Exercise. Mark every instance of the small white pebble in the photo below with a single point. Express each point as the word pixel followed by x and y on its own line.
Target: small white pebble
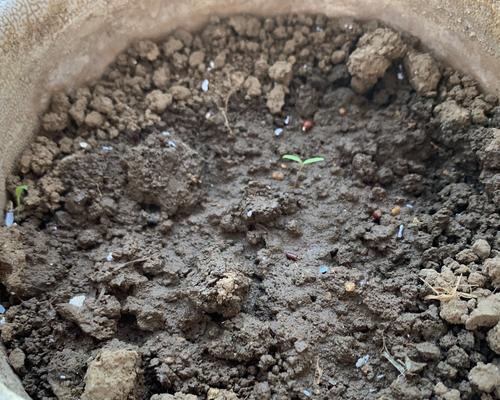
pixel 77 300
pixel 84 145
pixel 249 213
pixel 286 121
pixel 401 231
pixel 9 218
pixel 172 144
pixel 166 133
pixel 278 132
pixel 208 114
pixel 62 377
pixel 2 321
pixel 362 361
pixel 400 74
pixel 109 257
pixel 106 149
pixel 204 85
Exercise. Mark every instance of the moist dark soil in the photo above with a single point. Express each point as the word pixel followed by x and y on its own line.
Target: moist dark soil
pixel 164 249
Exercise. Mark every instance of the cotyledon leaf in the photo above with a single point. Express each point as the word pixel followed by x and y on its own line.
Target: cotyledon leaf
pixel 313 160
pixel 19 193
pixel 292 157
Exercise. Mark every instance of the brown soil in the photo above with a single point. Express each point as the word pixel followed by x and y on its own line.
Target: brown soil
pixel 212 267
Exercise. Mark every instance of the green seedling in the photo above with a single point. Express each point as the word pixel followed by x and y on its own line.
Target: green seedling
pixel 20 190
pixel 302 163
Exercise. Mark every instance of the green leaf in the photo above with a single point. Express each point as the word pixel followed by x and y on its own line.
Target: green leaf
pixel 292 157
pixel 19 193
pixel 313 160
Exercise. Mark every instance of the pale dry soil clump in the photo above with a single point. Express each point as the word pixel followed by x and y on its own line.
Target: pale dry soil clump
pixel 164 251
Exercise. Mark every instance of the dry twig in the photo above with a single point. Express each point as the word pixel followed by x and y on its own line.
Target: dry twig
pixel 408 367
pixel 318 373
pixel 223 109
pixel 447 293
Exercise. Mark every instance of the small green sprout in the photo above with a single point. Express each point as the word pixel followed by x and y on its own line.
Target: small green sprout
pixel 20 190
pixel 297 159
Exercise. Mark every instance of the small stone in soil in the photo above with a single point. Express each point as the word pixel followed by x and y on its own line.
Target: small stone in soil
pixel 300 346
pixel 109 257
pixel 249 213
pixel 376 215
pixel 307 393
pixel 342 111
pixel 323 269
pixel 291 256
pixel 204 85
pixel 166 133
pixel 2 321
pixel 409 205
pixel 278 132
pixel 286 121
pixel 84 145
pixel 350 287
pixel 77 301
pixel 400 74
pixel 307 125
pixel 9 218
pixel 395 211
pixel 362 361
pixel 278 176
pixel 2 309
pixel 172 144
pixel 401 231
pixel 106 149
